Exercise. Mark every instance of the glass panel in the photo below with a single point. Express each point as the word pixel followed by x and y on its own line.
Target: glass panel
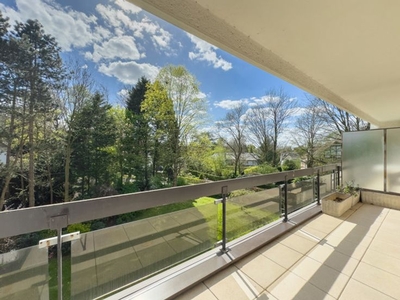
pixel 362 159
pixel 107 259
pixel 249 209
pixel 23 272
pixel 393 160
pixel 300 194
pixel 326 184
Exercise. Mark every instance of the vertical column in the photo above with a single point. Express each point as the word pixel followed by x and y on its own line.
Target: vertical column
pixel 318 189
pixel 224 194
pixel 286 198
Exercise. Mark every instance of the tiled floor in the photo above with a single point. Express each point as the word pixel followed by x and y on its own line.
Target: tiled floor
pixel 356 256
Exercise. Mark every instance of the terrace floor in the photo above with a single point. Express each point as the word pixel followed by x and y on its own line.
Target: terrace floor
pixel 356 256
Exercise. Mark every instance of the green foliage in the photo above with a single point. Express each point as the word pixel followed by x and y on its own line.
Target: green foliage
pixel 348 188
pixel 240 192
pixel 130 187
pixel 290 164
pixel 181 181
pixel 157 182
pixel 260 169
pixel 136 96
pixel 96 225
pixel 82 227
pixel 301 178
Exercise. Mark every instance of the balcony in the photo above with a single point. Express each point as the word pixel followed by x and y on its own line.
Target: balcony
pixel 169 252
pixel 352 257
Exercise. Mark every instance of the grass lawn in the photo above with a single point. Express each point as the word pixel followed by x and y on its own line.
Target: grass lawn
pixel 53 289
pixel 241 219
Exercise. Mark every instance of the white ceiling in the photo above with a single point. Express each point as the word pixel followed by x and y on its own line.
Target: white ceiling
pixel 346 52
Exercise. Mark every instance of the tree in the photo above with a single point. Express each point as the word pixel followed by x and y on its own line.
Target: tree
pixel 259 126
pixel 74 94
pixel 190 110
pixel 340 120
pixel 42 67
pixel 232 131
pixel 159 113
pixel 137 139
pixel 92 157
pixel 310 130
pixel 281 107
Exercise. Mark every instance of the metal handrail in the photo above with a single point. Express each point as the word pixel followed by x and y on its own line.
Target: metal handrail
pixel 55 216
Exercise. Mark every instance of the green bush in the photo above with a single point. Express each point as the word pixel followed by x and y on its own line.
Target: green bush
pixel 240 192
pixel 260 169
pixel 128 188
pixel 81 227
pixel 181 181
pixel 96 225
pixel 290 165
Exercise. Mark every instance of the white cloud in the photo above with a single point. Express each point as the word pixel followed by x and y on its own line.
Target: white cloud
pixel 122 47
pixel 129 72
pixel 206 52
pixel 71 28
pixel 162 38
pixel 230 104
pixel 123 93
pixel 128 7
pixel 120 21
pixel 201 95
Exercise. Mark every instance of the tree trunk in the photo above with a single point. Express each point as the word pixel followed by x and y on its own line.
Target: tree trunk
pixel 31 176
pixel 66 173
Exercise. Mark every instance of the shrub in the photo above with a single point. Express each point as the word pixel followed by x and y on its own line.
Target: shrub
pixel 81 227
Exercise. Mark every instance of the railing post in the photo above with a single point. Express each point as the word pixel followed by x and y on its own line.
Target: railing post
pixel 58 223
pixel 59 264
pixel 318 189
pixel 224 194
pixel 338 175
pixel 285 199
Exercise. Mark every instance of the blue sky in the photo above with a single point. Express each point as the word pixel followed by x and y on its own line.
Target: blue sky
pixel 120 42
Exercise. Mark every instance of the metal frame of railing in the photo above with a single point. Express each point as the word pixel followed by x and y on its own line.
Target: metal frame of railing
pixel 59 216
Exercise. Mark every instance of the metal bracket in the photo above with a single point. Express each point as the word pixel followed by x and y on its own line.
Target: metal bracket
pixel 64 238
pixel 58 222
pixel 218 201
pixel 224 190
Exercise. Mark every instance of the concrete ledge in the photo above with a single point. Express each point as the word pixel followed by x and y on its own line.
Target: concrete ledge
pixel 176 280
pixel 380 199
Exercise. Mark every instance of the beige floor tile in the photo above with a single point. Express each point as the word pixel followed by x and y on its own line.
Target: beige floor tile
pixel 312 232
pixel 346 214
pixel 378 279
pixel 334 259
pixel 199 292
pixel 356 233
pixel 393 215
pixel 382 261
pixel 373 211
pixel 232 284
pixel 357 290
pixel 322 276
pixel 390 225
pixel 389 249
pixel 301 244
pixel 260 269
pixel 282 255
pixel 388 236
pixel 265 296
pixel 323 226
pixel 291 286
pixel 345 246
pixel 326 219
